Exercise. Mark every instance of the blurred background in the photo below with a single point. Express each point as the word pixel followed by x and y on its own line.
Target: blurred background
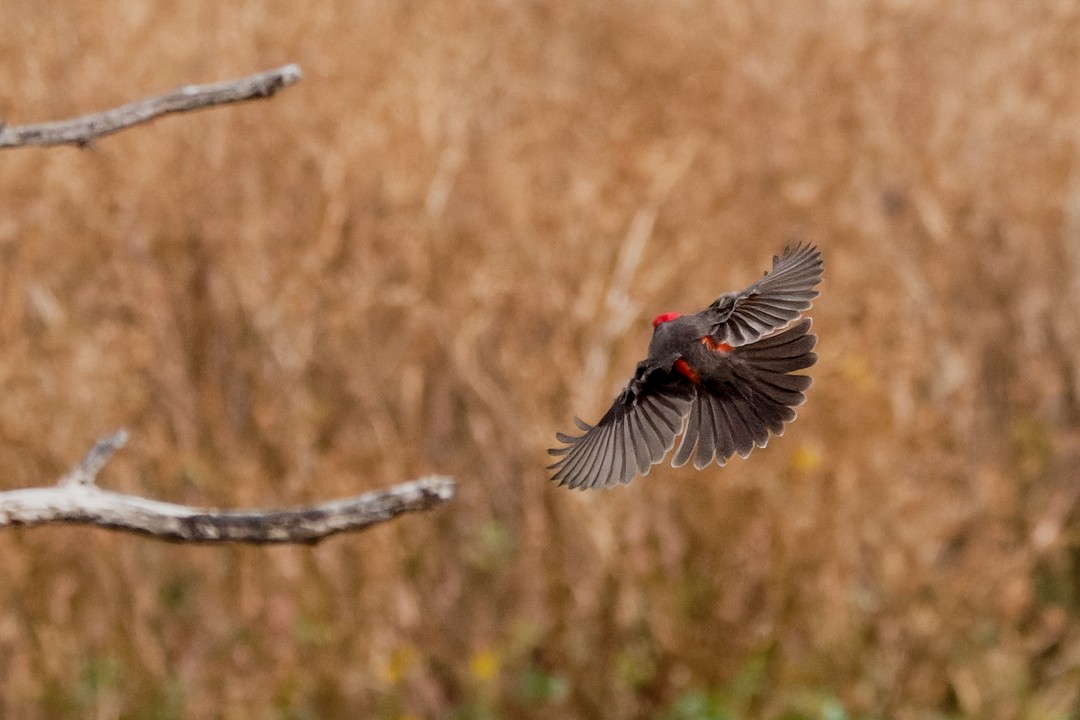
pixel 448 240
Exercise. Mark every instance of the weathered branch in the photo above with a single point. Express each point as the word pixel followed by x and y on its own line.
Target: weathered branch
pixel 83 130
pixel 77 500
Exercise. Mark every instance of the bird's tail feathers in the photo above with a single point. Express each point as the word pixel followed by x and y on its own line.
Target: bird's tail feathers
pixel 735 415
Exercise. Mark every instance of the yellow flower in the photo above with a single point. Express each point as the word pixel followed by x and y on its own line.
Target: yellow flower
pixel 394 669
pixel 805 458
pixel 484 665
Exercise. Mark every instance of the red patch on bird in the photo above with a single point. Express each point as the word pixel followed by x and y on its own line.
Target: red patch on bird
pixel 684 368
pixel 713 345
pixel 665 317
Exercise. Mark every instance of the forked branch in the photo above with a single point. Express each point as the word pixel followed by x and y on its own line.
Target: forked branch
pixel 83 130
pixel 76 499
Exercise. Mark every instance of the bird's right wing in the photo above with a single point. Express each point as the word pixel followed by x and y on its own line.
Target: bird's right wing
pixel 635 433
pixel 758 397
pixel 772 302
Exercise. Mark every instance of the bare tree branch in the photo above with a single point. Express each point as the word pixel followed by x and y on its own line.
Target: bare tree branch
pixel 77 500
pixel 83 130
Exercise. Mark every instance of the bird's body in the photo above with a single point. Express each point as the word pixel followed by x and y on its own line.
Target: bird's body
pixel 721 377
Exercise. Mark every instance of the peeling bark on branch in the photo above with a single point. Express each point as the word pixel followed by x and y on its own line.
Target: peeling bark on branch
pixel 83 130
pixel 77 500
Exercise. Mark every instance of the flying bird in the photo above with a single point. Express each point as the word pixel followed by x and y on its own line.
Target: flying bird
pixel 723 378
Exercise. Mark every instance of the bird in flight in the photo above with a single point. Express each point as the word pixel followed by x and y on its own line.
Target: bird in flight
pixel 723 378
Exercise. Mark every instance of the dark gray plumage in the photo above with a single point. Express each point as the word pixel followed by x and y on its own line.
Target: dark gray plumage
pixel 722 377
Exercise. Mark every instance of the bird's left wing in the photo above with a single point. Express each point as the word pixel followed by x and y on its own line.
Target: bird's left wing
pixel 772 302
pixel 635 433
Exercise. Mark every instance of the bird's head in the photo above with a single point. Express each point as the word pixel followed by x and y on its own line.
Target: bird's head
pixel 665 317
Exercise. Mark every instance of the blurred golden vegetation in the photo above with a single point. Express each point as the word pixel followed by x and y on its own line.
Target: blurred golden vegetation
pixel 449 239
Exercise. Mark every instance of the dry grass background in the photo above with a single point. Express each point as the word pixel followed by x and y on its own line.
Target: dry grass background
pixel 449 239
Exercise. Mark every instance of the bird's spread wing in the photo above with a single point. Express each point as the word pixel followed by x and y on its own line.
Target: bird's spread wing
pixel 633 435
pixel 759 395
pixel 771 303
